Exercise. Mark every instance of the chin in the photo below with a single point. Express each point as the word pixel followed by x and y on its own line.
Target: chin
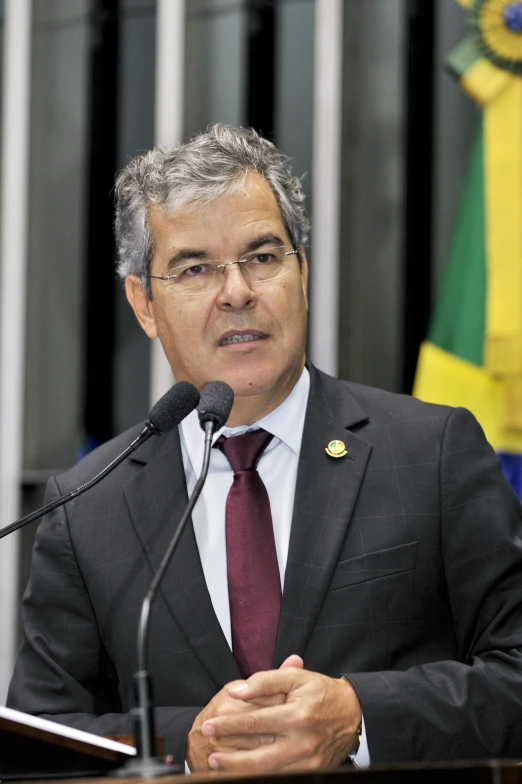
pixel 245 389
pixel 249 385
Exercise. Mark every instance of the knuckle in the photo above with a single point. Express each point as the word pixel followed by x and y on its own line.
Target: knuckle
pixel 302 718
pixel 251 724
pixel 266 680
pixel 308 747
pixel 223 711
pixel 315 762
pixel 217 705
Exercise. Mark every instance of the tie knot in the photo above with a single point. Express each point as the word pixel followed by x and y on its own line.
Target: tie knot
pixel 244 452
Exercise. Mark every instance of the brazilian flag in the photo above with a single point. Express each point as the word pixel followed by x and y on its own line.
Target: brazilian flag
pixel 472 356
pixel 451 368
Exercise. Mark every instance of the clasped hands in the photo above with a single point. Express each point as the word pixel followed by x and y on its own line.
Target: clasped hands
pixel 285 719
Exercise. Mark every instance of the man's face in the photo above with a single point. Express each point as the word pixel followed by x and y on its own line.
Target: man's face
pixel 193 330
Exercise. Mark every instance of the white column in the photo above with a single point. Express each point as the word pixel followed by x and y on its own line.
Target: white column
pixel 170 53
pixel 326 168
pixel 13 221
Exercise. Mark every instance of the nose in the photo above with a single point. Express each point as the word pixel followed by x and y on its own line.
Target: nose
pixel 235 292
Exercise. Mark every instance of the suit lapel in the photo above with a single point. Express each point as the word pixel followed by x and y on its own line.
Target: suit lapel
pixel 326 492
pixel 156 498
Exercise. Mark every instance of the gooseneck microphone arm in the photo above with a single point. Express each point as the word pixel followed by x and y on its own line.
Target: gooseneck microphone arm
pixel 145 610
pixel 215 405
pixel 146 763
pixel 145 434
pixel 168 412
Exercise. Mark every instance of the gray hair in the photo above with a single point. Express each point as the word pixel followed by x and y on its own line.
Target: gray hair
pixel 207 167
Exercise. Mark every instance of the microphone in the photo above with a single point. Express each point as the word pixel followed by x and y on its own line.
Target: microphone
pixel 214 409
pixel 215 405
pixel 172 408
pixel 168 412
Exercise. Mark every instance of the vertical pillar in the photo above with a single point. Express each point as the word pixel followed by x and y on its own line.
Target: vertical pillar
pixel 13 258
pixel 326 169
pixel 170 54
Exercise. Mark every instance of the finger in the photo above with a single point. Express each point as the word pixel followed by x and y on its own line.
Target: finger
pixel 272 757
pixel 293 661
pixel 266 702
pixel 237 705
pixel 266 684
pixel 275 720
pixel 243 742
pixel 262 702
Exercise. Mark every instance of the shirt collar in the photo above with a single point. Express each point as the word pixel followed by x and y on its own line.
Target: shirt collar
pixel 286 422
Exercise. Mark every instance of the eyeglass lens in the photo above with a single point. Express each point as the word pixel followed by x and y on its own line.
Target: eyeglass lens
pixel 257 266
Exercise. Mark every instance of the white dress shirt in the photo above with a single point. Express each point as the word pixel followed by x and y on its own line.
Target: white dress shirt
pixel 278 470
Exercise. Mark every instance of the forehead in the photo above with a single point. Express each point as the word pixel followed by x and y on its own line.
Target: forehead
pixel 249 210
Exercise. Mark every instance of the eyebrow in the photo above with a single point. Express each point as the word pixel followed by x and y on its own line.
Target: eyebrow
pixel 266 239
pixel 187 254
pixel 191 254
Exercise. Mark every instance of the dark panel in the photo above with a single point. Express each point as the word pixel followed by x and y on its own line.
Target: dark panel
pixel 418 180
pixel 261 66
pixel 136 102
pixel 99 268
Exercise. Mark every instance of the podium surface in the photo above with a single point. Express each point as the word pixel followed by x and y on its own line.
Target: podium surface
pixel 483 772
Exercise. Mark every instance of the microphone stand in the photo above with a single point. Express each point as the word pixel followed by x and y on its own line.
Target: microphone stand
pixel 146 764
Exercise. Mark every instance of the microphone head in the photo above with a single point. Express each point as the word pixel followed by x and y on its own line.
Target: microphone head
pixel 173 407
pixel 216 403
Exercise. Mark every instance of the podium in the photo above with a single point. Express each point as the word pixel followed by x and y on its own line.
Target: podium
pixel 484 772
pixel 35 749
pixel 32 749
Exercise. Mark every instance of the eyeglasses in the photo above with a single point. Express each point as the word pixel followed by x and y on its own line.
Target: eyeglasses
pixel 200 277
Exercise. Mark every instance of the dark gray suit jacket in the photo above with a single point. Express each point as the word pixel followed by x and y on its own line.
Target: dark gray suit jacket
pixel 404 573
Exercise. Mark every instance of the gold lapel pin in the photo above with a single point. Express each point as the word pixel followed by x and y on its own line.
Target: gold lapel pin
pixel 336 449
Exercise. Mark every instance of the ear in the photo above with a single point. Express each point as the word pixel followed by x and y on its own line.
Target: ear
pixel 304 276
pixel 141 305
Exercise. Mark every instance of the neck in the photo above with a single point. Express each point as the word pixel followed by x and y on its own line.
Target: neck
pixel 248 409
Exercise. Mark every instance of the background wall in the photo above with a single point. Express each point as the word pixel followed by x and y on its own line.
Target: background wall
pixel 57 204
pixel 372 203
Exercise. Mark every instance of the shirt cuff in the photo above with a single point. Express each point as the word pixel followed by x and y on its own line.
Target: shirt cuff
pixel 361 758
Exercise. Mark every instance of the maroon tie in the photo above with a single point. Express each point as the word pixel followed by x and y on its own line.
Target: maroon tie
pixel 254 586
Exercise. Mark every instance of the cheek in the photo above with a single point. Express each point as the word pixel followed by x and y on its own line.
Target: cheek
pixel 170 311
pixel 296 303
pixel 167 320
pixel 292 318
pixel 183 327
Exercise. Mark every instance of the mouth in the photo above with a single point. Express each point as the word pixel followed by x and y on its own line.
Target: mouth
pixel 232 338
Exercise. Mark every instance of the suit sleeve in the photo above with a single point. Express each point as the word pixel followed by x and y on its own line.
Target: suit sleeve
pixel 470 708
pixel 62 671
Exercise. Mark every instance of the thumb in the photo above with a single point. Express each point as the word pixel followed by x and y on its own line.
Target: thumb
pixel 293 661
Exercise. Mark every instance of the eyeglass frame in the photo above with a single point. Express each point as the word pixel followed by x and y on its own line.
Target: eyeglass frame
pixel 295 252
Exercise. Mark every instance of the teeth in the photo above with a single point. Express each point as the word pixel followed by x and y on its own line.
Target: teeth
pixel 239 339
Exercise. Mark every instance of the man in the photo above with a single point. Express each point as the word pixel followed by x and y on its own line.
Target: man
pixel 395 538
